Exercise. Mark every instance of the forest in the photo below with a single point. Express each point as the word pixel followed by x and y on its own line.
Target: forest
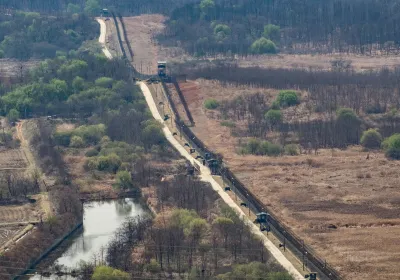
pixel 27 34
pixel 212 27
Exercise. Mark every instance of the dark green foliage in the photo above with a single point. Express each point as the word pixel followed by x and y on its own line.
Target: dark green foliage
pixel 29 34
pixel 391 146
pixel 273 117
pixel 124 180
pixel 262 148
pixel 271 32
pixel 152 134
pixel 13 115
pixel 287 98
pixel 263 46
pixel 89 134
pixel 349 125
pixel 371 139
pixel 92 153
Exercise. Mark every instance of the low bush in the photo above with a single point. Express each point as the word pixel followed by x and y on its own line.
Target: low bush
pixel 291 150
pixel 287 98
pixel 76 142
pixel 211 104
pixel 258 147
pixel 228 124
pixel 391 145
pixel 371 139
pixel 92 153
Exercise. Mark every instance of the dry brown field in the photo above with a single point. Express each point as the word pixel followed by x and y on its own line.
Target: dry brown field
pixel 347 207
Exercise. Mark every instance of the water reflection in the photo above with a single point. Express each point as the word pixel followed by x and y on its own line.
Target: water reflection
pixel 100 221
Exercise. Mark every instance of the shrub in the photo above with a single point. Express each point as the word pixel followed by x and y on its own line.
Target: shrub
pixel 124 180
pixel 62 138
pixel 211 104
pixel 346 114
pixel 228 124
pixel 91 134
pixel 76 142
pixel 274 117
pixel 291 150
pixel 104 82
pixel 262 46
pixel 371 139
pixel 13 115
pixel 92 153
pixel 274 149
pixel 391 146
pixel 253 146
pixel 257 147
pixel 287 98
pixel 153 266
pixel 91 164
pixel 109 163
pixel 109 273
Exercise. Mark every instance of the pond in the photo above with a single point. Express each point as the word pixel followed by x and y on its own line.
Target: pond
pixel 101 219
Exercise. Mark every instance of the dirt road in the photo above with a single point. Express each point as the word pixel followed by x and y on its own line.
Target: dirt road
pixel 102 37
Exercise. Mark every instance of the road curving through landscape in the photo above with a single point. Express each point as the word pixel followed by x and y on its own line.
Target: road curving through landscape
pixel 205 173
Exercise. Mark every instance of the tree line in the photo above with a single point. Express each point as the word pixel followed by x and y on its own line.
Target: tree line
pixel 27 34
pixel 363 27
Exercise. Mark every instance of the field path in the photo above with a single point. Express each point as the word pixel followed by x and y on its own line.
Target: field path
pixel 205 175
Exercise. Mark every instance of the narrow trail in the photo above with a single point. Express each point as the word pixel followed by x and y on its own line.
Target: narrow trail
pixel 205 175
pixel 30 166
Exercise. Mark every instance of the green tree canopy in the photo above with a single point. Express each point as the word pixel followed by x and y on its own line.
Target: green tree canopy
pixel 13 115
pixel 371 139
pixel 73 8
pixel 391 146
pixel 287 98
pixel 271 32
pixel 92 7
pixel 109 273
pixel 124 180
pixel 263 46
pixel 273 117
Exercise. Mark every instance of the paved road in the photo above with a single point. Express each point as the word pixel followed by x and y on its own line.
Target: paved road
pixel 205 175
